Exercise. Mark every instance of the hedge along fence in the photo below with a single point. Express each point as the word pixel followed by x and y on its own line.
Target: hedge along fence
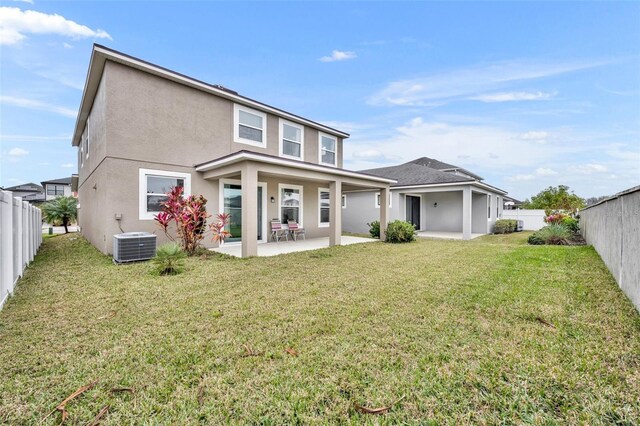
pixel 613 228
pixel 20 238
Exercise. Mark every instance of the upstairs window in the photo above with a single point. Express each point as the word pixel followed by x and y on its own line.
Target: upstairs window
pixel 291 140
pixel 88 139
pixel 55 190
pixel 328 150
pixel 249 126
pixel 154 186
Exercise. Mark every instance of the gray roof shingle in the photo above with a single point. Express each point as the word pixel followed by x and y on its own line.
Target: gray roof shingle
pixel 414 174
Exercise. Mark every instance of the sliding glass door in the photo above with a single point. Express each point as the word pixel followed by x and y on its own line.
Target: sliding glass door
pixel 232 202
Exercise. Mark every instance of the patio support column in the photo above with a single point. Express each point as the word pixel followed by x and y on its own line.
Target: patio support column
pixel 249 181
pixel 466 213
pixel 384 212
pixel 335 213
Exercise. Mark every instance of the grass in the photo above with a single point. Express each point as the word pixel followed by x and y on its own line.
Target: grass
pixel 490 331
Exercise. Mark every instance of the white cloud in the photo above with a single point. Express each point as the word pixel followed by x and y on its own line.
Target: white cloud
pixel 67 45
pixel 18 152
pixel 513 96
pixel 520 178
pixel 38 105
pixel 15 24
pixel 338 55
pixel 470 81
pixel 370 155
pixel 23 1
pixel 545 171
pixel 67 165
pixel 588 169
pixel 534 135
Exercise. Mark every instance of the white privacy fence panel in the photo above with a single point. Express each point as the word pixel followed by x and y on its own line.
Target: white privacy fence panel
pixel 612 227
pixel 20 238
pixel 533 219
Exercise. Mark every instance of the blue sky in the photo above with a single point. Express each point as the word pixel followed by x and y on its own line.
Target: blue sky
pixel 525 94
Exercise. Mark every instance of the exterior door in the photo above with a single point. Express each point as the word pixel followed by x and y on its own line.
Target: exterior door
pixel 232 201
pixel 413 210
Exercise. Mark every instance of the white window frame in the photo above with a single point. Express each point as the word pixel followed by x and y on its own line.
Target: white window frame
pixel 376 200
pixel 301 190
pixel 281 123
pixel 55 189
pixel 323 224
pixel 335 152
pixel 88 137
pixel 344 201
pixel 143 214
pixel 236 126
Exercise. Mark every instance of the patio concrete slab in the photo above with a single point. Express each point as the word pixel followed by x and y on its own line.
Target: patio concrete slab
pixel 445 235
pixel 282 247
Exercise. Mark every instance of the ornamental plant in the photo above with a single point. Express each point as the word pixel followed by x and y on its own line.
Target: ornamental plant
pixel 189 215
pixel 554 218
pixel 169 259
pixel 218 228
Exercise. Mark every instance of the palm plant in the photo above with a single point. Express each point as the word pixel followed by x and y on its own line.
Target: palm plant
pixel 60 210
pixel 169 259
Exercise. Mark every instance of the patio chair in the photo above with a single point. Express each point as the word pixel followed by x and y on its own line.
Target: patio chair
pixel 295 230
pixel 277 231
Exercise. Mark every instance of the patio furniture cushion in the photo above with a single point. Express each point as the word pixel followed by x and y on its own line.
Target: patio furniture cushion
pixel 295 230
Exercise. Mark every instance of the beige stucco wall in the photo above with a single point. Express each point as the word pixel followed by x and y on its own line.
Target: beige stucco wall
pixel 154 119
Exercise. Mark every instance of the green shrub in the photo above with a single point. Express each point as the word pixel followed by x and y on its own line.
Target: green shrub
pixel 374 229
pixel 169 259
pixel 400 231
pixel 535 239
pixel 554 234
pixel 571 224
pixel 505 226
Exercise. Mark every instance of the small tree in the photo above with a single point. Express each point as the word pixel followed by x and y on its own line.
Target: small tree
pixel 190 216
pixel 60 210
pixel 555 198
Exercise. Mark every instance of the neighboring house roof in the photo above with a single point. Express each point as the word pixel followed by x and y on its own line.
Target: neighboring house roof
pixel 414 174
pixel 442 166
pixel 61 181
pixel 28 191
pixel 101 54
pixel 426 171
pixel 25 187
pixel 513 200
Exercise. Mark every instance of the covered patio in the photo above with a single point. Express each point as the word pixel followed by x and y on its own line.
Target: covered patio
pixel 283 247
pixel 273 188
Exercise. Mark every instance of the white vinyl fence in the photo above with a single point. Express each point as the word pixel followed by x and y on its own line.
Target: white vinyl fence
pixel 20 238
pixel 612 227
pixel 533 219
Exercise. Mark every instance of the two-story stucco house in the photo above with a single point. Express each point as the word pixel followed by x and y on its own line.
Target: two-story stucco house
pixel 57 188
pixel 142 129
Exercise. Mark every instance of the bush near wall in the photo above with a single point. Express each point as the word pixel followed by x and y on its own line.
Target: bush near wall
pixel 400 231
pixel 505 226
pixel 374 229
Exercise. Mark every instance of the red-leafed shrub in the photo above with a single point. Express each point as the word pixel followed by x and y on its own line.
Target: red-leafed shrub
pixel 189 215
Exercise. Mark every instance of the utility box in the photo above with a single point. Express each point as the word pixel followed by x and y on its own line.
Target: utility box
pixel 133 247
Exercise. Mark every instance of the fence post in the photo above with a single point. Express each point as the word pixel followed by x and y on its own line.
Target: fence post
pixel 6 245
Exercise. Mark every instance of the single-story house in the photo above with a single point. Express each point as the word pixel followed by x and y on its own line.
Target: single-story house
pixel 436 197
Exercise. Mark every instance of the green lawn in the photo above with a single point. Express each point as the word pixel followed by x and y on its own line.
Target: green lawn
pixel 488 331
